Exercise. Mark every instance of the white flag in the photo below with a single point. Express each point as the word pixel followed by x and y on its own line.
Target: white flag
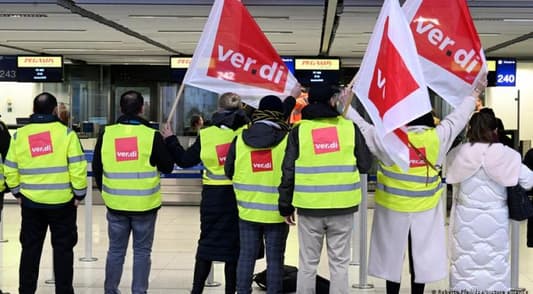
pixel 234 55
pixel 448 45
pixel 390 83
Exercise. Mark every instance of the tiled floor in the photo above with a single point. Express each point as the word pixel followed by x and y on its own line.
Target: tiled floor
pixel 172 257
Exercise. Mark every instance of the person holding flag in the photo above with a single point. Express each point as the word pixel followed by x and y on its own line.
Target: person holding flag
pixel 320 177
pixel 219 231
pixel 391 86
pixel 408 209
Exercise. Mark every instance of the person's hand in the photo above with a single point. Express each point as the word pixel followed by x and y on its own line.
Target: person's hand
pixel 480 87
pixel 290 220
pixel 76 202
pixel 296 91
pixel 166 131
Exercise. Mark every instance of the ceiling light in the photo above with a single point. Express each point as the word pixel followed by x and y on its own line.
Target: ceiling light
pixel 149 16
pixel 488 34
pixel 518 19
pixel 42 30
pixel 60 41
pixel 24 14
pixel 91 50
pixel 278 32
pixel 180 31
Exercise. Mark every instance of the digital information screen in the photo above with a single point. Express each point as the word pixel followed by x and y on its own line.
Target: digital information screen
pixel 502 72
pixel 289 63
pixel 178 67
pixel 8 68
pixel 38 68
pixel 309 71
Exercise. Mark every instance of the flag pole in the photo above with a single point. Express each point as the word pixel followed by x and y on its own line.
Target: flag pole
pixel 173 109
pixel 350 97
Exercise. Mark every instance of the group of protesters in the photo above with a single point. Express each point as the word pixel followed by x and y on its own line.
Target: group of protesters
pixel 260 171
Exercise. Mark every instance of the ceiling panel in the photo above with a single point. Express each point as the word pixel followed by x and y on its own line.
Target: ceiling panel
pixel 293 26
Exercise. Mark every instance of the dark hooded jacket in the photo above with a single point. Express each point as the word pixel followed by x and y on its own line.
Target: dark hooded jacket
pixel 259 135
pixel 286 188
pixel 219 220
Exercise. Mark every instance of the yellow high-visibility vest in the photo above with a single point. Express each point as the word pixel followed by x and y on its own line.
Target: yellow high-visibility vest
pixel 46 163
pixel 326 175
pixel 129 182
pixel 214 146
pixel 419 188
pixel 256 180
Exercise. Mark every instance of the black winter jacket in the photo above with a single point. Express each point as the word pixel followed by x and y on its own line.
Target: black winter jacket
pixel 286 188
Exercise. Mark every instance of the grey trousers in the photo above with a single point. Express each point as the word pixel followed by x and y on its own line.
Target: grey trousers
pixel 311 231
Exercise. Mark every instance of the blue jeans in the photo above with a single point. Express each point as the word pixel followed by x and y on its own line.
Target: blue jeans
pixel 119 228
pixel 251 237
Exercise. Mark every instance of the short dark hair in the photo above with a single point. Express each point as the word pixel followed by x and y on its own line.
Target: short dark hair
pixel 131 102
pixel 44 103
pixel 481 128
pixel 195 119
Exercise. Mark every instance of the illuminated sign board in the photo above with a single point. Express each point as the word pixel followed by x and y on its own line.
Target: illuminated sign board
pixel 39 68
pixel 8 68
pixel 289 63
pixel 317 70
pixel 180 62
pixel 502 72
pixel 317 64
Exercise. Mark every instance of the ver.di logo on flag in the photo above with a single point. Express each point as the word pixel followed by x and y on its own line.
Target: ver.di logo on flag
pixel 40 144
pixel 126 149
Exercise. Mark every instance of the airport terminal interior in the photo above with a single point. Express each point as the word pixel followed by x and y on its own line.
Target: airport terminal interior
pixel 88 52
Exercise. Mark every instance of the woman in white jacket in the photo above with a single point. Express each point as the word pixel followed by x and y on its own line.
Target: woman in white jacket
pixel 482 169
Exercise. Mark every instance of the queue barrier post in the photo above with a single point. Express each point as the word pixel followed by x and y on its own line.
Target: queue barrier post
pixel 89 217
pixel 363 214
pixel 2 240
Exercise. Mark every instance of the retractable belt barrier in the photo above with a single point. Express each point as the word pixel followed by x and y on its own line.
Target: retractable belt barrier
pixel 358 242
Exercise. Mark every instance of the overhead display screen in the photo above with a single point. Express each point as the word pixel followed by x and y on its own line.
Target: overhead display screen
pixel 502 72
pixel 178 67
pixel 317 70
pixel 8 68
pixel 38 68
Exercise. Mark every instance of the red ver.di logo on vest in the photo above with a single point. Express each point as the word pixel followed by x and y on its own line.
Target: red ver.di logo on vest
pixel 261 160
pixel 126 149
pixel 414 159
pixel 40 144
pixel 222 151
pixel 325 140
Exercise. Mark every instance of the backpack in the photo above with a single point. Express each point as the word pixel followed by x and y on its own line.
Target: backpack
pixel 290 274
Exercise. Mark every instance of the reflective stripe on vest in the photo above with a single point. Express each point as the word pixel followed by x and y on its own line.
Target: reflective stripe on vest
pixel 419 188
pixel 39 164
pixel 2 179
pixel 326 175
pixel 129 182
pixel 214 147
pixel 256 180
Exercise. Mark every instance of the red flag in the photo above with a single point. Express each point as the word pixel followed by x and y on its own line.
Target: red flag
pixel 390 83
pixel 234 55
pixel 449 46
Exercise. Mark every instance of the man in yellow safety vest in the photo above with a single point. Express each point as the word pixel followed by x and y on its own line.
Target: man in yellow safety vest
pixel 128 157
pixel 46 171
pixel 324 156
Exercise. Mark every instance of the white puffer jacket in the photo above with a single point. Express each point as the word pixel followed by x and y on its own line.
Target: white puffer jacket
pixel 479 246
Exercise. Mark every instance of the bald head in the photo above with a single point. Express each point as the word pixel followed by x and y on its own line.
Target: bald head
pixel 44 103
pixel 131 103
